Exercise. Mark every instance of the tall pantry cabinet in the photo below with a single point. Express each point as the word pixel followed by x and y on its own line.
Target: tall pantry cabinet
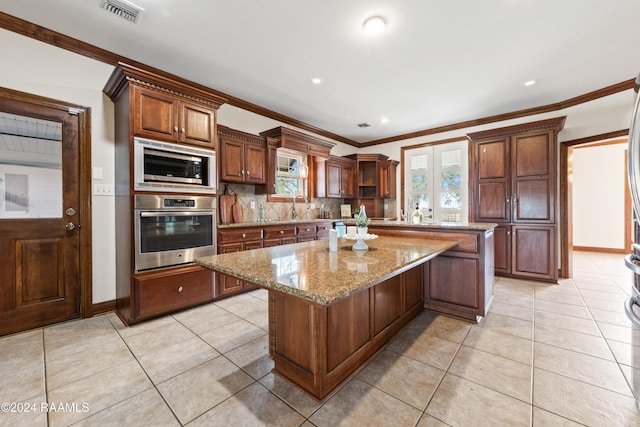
pixel 513 176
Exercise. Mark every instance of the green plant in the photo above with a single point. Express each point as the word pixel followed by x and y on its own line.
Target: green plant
pixel 362 222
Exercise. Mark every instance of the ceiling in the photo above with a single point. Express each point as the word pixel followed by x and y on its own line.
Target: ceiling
pixel 439 62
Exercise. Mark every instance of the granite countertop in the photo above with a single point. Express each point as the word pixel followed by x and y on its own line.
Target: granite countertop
pixel 478 226
pixel 308 270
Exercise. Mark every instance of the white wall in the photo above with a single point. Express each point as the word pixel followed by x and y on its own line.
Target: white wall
pixel 41 69
pixel 598 196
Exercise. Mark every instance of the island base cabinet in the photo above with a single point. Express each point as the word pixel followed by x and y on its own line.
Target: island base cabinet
pixel 318 347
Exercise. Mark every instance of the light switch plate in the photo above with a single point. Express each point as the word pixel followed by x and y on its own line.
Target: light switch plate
pixel 252 204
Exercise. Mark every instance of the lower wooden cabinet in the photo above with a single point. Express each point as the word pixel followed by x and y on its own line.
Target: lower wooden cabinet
pixel 526 251
pixel 164 291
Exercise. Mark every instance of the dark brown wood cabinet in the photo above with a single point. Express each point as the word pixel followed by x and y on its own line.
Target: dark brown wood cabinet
pixel 387 178
pixel 340 177
pixel 375 181
pixel 280 235
pixel 513 183
pixel 243 157
pixel 169 117
pixel 164 108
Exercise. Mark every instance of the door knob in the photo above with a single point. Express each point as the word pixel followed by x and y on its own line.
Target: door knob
pixel 70 226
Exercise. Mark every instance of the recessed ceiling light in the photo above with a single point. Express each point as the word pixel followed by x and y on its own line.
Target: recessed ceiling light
pixel 374 26
pixel 316 80
pixel 529 83
pixel 384 120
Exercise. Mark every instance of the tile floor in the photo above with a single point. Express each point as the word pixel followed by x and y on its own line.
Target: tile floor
pixel 547 355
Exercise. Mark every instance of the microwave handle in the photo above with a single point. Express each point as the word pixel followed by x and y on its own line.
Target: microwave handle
pixel 172 213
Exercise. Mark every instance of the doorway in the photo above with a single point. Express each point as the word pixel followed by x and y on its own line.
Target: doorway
pixel 45 211
pixel 601 197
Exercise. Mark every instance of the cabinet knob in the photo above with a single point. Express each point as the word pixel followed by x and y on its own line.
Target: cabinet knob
pixel 281 231
pixel 175 128
pixel 180 289
pixel 247 173
pixel 308 229
pixel 244 236
pixel 182 130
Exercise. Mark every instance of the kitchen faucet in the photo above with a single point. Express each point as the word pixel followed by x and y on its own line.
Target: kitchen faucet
pixel 294 214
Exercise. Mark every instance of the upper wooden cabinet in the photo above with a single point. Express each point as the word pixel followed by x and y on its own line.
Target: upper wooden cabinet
pixel 158 115
pixel 387 178
pixel 513 182
pixel 335 178
pixel 242 156
pixel 161 107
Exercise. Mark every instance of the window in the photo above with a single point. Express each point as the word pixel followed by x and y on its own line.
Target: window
pixel 289 180
pixel 436 179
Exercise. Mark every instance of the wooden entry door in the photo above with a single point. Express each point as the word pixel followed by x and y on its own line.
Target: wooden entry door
pixel 40 214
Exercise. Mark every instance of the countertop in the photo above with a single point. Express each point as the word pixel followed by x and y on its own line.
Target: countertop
pixel 308 270
pixel 477 226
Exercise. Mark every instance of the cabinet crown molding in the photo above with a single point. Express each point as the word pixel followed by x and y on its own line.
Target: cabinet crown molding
pixel 124 74
pixel 556 123
pixel 299 141
pixel 227 132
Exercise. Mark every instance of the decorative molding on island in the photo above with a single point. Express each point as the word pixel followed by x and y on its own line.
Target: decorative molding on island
pixel 329 312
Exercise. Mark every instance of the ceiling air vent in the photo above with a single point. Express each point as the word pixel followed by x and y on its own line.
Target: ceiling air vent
pixel 364 125
pixel 123 9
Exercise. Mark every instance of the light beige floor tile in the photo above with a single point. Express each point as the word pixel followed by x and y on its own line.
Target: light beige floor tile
pixel 205 318
pixel 583 403
pixel 609 287
pixel 253 357
pixel 358 403
pixel 570 340
pixel 16 386
pixel 21 366
pixel 582 367
pixel 194 392
pixel 176 359
pixel 81 364
pixel 615 318
pixel 497 373
pixel 439 326
pixel 508 325
pixel 126 331
pixel 98 391
pixel 561 308
pixel 576 324
pixel 520 301
pixel 625 354
pixel 253 406
pixel 603 305
pixel 291 394
pixel 259 317
pixel 460 402
pixel 429 421
pixel 542 418
pixel 511 289
pixel 158 338
pixel 425 348
pixel 404 378
pixel 605 296
pixel 146 409
pixel 504 345
pixel 34 416
pixel 510 310
pixel 620 333
pixel 573 298
pixel 232 335
pixel 78 335
pixel 262 294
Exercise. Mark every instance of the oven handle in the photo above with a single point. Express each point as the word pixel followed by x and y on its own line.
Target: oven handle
pixel 628 309
pixel 170 213
pixel 631 265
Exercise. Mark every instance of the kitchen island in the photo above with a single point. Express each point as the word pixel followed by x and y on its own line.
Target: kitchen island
pixel 330 311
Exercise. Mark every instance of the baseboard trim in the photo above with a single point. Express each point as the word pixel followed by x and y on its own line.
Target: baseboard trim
pixel 597 249
pixel 103 307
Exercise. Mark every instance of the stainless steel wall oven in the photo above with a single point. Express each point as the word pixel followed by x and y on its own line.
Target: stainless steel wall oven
pixel 172 230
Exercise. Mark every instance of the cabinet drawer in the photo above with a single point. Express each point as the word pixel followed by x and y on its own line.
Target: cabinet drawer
pixel 239 235
pixel 162 292
pixel 279 232
pixel 324 228
pixel 305 230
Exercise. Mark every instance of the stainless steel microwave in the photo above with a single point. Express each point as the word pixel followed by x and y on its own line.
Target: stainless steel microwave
pixel 162 166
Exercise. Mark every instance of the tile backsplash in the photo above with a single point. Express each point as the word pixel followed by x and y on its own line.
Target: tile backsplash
pixel 282 211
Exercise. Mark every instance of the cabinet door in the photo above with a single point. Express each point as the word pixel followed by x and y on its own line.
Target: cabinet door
pixel 493 192
pixel 231 160
pixel 255 164
pixel 386 179
pixel 197 124
pixel 348 181
pixel 533 252
pixel 155 115
pixel 533 177
pixel 502 249
pixel 334 178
